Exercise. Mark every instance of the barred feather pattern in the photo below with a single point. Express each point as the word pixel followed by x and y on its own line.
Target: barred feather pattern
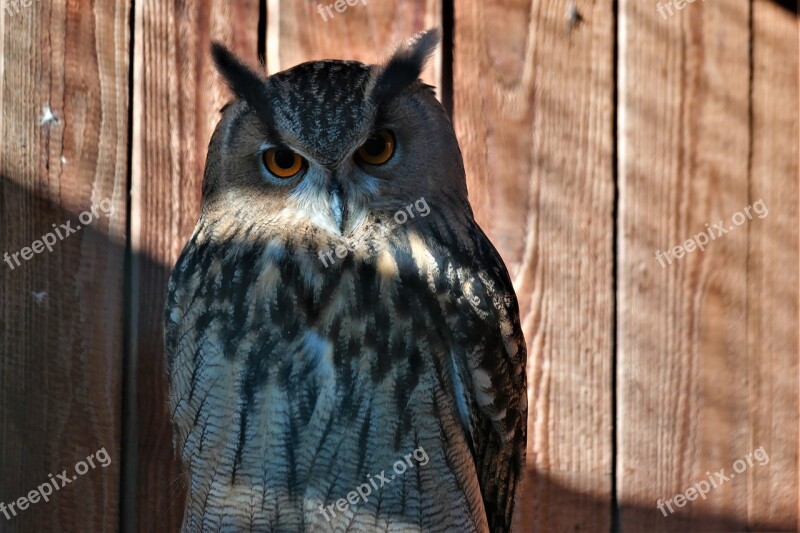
pixel 293 383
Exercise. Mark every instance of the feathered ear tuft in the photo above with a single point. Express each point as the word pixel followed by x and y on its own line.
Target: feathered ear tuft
pixel 406 65
pixel 243 81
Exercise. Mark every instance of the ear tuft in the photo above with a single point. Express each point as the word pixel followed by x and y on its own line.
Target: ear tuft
pixel 243 81
pixel 406 65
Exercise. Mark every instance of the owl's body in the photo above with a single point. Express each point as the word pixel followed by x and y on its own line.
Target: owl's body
pixel 298 383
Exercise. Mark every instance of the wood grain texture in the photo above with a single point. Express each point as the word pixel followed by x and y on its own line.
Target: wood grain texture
pixel 697 377
pixel 533 109
pixel 708 357
pixel 61 315
pixel 177 98
pixel 682 357
pixel 772 269
pixel 367 31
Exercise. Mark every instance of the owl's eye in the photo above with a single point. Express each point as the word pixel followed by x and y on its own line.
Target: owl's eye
pixel 283 163
pixel 378 149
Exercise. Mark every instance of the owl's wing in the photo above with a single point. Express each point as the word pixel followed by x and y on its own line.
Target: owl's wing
pixel 495 367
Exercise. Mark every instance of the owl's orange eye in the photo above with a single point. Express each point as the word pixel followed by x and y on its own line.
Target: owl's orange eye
pixel 378 149
pixel 283 163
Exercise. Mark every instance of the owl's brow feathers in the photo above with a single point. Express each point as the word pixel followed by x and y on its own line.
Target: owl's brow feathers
pixel 402 69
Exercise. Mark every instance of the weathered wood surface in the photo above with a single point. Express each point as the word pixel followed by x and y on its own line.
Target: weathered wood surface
pixel 533 108
pixel 595 133
pixel 368 31
pixel 707 345
pixel 63 149
pixel 772 270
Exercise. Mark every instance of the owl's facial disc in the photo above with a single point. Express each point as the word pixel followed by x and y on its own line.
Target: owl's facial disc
pixel 336 197
pixel 333 145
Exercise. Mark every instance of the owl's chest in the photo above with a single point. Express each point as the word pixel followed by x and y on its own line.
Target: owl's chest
pixel 363 357
pixel 397 315
pixel 286 325
pixel 390 305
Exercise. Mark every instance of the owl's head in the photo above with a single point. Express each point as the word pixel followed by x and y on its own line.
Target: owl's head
pixel 332 145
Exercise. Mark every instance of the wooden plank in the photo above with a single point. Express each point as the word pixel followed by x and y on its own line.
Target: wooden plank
pixel 533 109
pixel 177 98
pixel 772 270
pixel 682 346
pixel 692 384
pixel 63 150
pixel 367 31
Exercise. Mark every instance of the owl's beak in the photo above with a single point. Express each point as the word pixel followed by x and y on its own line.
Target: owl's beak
pixel 338 207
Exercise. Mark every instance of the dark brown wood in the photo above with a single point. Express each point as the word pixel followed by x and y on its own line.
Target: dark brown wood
pixel 177 98
pixel 63 149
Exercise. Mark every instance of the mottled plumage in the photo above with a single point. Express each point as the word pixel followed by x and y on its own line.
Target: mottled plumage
pixel 295 380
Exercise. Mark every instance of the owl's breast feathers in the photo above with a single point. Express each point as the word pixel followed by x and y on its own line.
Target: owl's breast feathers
pixel 292 381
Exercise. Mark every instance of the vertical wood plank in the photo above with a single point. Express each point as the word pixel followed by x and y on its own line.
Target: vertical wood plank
pixel 684 141
pixel 533 109
pixel 367 31
pixel 693 381
pixel 177 98
pixel 63 149
pixel 772 270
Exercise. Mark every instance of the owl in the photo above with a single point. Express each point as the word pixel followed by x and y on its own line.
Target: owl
pixel 344 350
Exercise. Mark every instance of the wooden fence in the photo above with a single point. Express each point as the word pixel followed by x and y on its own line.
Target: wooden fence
pixel 595 133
